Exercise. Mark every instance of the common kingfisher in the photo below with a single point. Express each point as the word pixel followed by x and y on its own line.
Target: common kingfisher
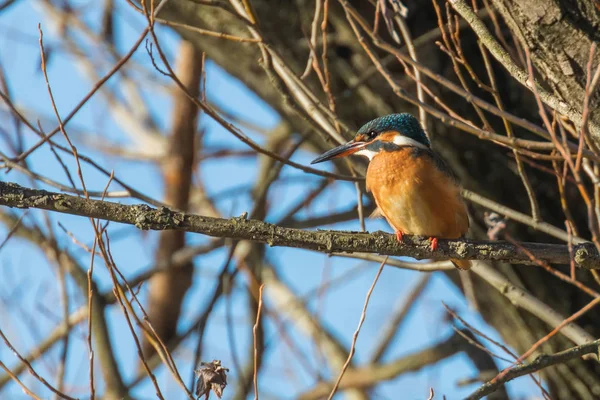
pixel 413 187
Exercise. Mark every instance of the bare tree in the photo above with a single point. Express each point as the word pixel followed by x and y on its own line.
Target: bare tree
pixel 506 91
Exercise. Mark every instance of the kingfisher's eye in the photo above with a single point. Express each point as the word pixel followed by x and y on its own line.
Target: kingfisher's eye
pixel 372 134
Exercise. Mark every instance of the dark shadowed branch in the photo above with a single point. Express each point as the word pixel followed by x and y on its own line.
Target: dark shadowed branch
pixel 541 362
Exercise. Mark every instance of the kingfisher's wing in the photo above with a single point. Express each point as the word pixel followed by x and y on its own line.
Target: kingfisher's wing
pixel 462 219
pixel 445 168
pixel 460 208
pixel 439 162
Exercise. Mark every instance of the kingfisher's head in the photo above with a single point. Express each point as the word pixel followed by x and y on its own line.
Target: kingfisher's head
pixel 388 133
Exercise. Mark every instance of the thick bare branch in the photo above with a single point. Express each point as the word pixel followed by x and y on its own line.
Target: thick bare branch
pixel 168 289
pixel 146 217
pixel 366 377
pixel 541 362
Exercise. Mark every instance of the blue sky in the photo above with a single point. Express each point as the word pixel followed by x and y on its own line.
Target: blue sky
pixel 30 301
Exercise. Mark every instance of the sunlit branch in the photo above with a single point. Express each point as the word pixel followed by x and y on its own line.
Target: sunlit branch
pixel 148 218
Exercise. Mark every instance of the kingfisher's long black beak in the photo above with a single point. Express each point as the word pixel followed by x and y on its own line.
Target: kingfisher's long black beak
pixel 340 151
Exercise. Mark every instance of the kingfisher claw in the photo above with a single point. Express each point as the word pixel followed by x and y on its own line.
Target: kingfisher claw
pixel 434 243
pixel 399 236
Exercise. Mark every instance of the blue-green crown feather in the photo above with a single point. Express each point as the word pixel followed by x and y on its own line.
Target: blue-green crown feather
pixel 404 123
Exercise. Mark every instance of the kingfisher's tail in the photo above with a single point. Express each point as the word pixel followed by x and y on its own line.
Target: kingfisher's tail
pixel 463 265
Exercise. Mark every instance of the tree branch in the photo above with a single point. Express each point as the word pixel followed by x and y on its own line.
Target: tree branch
pixel 521 75
pixel 542 361
pixel 148 218
pixel 114 386
pixel 366 377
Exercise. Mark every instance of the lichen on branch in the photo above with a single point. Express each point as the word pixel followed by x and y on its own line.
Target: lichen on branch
pixel 148 218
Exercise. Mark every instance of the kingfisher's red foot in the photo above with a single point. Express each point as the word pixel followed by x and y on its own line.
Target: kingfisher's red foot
pixel 399 236
pixel 434 243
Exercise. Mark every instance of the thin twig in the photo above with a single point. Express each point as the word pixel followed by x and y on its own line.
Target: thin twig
pixel 394 323
pixel 363 315
pixel 13 229
pixel 32 371
pixel 16 379
pixel 90 274
pixel 254 329
pixel 535 306
pixel 513 69
pixel 542 361
pixel 85 99
pixel 221 35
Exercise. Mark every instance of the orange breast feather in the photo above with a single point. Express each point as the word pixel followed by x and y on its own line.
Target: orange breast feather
pixel 415 196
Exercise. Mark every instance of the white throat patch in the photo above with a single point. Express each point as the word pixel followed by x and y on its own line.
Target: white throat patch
pixel 366 153
pixel 401 140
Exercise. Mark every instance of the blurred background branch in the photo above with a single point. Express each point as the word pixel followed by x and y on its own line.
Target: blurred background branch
pixel 213 109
